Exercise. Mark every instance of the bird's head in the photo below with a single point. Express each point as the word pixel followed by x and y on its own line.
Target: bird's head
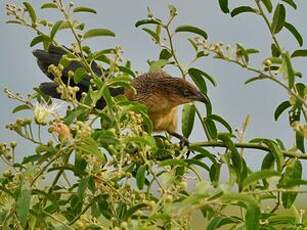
pixel 160 89
pixel 180 91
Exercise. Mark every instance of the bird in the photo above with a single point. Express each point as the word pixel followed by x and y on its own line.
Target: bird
pixel 158 91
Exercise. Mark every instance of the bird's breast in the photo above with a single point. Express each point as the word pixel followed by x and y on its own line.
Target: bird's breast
pixel 164 120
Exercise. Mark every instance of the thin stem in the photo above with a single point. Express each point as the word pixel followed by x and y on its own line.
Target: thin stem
pixel 247 146
pixel 203 125
pixel 262 14
pixel 172 48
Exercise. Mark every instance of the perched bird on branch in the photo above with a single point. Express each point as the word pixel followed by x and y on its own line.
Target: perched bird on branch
pixel 160 92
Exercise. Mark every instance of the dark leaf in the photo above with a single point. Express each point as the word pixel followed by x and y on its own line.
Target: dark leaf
pixel 275 51
pixel 295 33
pixel 49 5
pixel 147 21
pixel 80 73
pixel 188 115
pixel 98 32
pixel 221 121
pixel 220 221
pixel 20 108
pixel 84 9
pixel 211 127
pixel 23 206
pixel 281 108
pixel 300 141
pixel 242 9
pixel 165 54
pixel 140 176
pixel 268 5
pixel 293 171
pixel 277 153
pixel 279 19
pixel 299 53
pixel 31 11
pixel 153 34
pixel 224 6
pixel 192 29
pixel 260 77
pixel 291 3
pixel 55 29
pixel 290 70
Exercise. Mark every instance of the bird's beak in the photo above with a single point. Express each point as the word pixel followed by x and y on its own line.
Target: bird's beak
pixel 202 98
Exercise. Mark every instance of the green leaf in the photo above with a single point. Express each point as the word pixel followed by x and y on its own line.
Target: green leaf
pixel 55 28
pixel 220 221
pixel 295 33
pixel 254 177
pixel 215 172
pixel 268 5
pixel 260 77
pixel 147 21
pixel 291 3
pixel 98 32
pixel 290 71
pixel 188 115
pixel 165 54
pixel 211 127
pixel 13 22
pixel 277 153
pixel 224 6
pixel 192 29
pixel 23 206
pixel 221 121
pixel 84 9
pixel 300 141
pixel 140 176
pixel 293 171
pixel 153 34
pixel 49 5
pixel 281 108
pixel 31 12
pixel 197 77
pixel 299 53
pixel 173 162
pixel 39 39
pixel 267 164
pixel 236 159
pixel 275 50
pixel 279 19
pixel 157 65
pixel 80 73
pixel 252 215
pixel 242 9
pixel 20 108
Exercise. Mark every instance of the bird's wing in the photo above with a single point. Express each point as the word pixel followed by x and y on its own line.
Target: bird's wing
pixel 53 56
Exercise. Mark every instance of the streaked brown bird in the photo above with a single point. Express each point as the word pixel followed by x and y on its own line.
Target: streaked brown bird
pixel 160 92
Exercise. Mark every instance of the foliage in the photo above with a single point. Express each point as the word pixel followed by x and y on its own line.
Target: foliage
pixel 106 170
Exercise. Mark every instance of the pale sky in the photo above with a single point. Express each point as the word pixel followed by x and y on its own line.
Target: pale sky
pixel 231 98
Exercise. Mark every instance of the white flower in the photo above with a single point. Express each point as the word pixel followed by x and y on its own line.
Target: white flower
pixel 42 111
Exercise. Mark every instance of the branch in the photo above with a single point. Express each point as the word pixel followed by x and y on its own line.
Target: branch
pixel 247 146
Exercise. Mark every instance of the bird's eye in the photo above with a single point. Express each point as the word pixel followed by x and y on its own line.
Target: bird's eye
pixel 186 93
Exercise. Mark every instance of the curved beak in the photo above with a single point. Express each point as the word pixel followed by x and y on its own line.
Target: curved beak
pixel 202 98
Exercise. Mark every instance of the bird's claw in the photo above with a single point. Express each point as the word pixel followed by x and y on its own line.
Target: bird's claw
pixel 184 142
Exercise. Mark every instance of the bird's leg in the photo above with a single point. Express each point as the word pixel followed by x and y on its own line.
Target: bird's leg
pixel 182 140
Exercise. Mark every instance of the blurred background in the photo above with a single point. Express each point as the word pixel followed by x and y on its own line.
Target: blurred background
pixel 231 98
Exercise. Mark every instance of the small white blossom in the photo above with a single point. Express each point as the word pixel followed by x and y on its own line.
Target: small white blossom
pixel 42 112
